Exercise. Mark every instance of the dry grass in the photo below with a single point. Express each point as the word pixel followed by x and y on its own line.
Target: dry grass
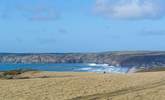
pixel 84 86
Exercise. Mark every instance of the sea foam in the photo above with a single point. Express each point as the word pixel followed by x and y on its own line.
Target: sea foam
pixel 104 68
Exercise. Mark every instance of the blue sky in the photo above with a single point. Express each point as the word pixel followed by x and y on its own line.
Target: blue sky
pixel 81 25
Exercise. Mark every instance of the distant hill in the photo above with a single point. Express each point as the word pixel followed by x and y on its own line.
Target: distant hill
pixel 141 59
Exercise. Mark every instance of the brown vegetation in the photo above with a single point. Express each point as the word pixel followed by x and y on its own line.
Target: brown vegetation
pixel 84 86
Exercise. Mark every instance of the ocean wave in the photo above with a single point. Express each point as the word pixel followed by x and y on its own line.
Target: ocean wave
pixel 94 64
pixel 104 68
pixel 85 69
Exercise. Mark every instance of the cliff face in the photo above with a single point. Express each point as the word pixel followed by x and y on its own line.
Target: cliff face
pixel 132 59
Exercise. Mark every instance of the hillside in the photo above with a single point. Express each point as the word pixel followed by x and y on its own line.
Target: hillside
pixel 84 86
pixel 127 58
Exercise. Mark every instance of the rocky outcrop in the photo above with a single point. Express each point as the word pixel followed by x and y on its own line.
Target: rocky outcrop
pixel 132 59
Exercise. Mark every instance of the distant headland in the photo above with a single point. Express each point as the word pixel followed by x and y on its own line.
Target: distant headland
pixel 118 58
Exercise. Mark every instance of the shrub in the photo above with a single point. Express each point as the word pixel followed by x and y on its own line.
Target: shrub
pixel 13 73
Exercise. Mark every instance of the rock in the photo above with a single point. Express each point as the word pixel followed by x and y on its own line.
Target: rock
pixel 129 59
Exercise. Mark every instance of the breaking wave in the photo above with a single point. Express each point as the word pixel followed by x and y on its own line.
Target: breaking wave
pixel 103 68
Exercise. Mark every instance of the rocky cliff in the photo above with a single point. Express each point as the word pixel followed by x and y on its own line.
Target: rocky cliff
pixel 132 59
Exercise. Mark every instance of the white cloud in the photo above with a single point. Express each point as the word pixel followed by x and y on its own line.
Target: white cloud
pixel 130 9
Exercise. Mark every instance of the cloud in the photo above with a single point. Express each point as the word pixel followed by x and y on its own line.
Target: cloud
pixel 19 40
pixel 63 31
pixel 38 11
pixel 46 40
pixel 130 9
pixel 152 32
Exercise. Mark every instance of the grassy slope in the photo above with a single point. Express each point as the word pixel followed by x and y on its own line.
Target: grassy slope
pixel 85 86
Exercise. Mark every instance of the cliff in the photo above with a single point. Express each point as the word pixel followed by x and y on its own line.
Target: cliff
pixel 132 59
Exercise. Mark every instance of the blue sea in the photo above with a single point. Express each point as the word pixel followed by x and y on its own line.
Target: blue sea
pixel 66 67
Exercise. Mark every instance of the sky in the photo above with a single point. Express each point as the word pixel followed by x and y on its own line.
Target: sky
pixel 81 25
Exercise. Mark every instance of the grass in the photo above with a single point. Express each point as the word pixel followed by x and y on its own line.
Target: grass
pixel 154 69
pixel 12 74
pixel 84 86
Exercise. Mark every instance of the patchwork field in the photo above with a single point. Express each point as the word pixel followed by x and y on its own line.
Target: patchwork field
pixel 84 86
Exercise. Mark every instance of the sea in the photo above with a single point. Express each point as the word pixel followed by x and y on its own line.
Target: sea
pixel 91 67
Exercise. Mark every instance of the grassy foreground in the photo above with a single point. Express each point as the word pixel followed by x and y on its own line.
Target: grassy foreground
pixel 84 86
